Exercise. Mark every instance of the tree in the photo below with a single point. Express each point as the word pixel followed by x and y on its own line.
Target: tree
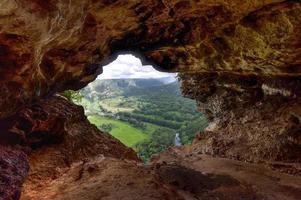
pixel 106 127
pixel 159 141
pixel 73 96
pixel 189 131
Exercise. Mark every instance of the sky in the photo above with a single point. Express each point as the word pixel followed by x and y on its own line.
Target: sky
pixel 129 66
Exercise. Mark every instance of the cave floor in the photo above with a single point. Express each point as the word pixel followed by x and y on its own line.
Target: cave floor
pixel 172 175
pixel 199 176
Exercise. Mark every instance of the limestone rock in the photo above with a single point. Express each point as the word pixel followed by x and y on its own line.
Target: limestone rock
pixel 253 118
pixel 53 45
pixel 199 176
pixel 54 133
pixel 103 178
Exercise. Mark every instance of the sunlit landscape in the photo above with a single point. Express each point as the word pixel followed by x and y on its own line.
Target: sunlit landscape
pixel 143 111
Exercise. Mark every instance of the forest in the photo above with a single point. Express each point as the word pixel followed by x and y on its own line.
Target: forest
pixel 144 114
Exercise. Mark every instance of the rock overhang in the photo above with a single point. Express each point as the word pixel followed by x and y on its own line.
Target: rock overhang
pixel 50 46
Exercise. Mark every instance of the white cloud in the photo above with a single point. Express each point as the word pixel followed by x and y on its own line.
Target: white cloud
pixel 129 66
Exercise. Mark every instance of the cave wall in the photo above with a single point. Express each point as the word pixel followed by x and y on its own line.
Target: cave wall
pixel 49 136
pixel 53 45
pixel 14 169
pixel 255 119
pixel 240 60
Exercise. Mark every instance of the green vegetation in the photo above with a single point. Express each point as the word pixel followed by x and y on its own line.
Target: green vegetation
pixel 189 131
pixel 142 114
pixel 74 96
pixel 123 131
pixel 159 141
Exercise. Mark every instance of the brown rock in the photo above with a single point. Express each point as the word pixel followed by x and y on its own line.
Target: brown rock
pixel 253 118
pixel 13 171
pixel 207 177
pixel 241 61
pixel 103 178
pixel 48 46
pixel 55 134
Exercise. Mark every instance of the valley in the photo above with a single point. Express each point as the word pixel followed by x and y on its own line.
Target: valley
pixel 144 114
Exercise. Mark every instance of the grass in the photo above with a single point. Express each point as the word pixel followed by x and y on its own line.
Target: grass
pixel 123 131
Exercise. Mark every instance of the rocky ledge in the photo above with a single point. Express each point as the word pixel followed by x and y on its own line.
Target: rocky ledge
pixel 49 136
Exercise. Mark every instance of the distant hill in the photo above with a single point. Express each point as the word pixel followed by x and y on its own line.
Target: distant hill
pixel 110 88
pixel 142 113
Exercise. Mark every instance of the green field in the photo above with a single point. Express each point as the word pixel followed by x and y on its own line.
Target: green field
pixel 123 131
pixel 144 114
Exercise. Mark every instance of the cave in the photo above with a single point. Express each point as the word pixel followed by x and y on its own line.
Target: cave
pixel 140 106
pixel 239 60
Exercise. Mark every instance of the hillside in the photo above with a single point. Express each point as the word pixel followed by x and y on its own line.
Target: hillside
pixel 128 87
pixel 142 113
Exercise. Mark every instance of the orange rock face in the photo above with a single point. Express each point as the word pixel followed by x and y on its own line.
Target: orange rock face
pixel 54 134
pixel 46 46
pixel 102 178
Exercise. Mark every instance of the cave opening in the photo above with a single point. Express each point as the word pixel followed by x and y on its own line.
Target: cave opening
pixel 140 106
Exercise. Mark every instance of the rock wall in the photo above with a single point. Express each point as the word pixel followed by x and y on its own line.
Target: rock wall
pixel 253 118
pixel 48 46
pixel 14 168
pixel 49 136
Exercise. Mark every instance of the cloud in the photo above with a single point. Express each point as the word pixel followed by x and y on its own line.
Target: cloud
pixel 129 66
